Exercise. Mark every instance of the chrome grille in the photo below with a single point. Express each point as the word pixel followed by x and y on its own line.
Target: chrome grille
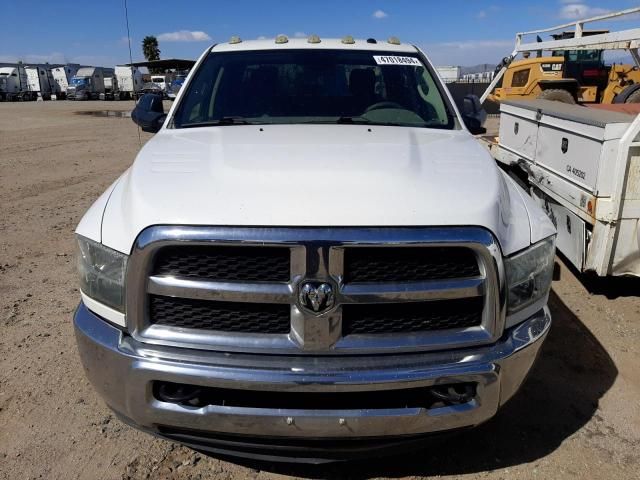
pixel 454 273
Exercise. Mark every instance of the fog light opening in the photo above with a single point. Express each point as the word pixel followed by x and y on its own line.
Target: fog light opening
pixel 176 393
pixel 455 394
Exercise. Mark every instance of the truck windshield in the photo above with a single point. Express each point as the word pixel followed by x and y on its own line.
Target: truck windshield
pixel 313 86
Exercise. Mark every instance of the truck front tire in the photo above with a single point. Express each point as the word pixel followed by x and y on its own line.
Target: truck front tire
pixel 634 97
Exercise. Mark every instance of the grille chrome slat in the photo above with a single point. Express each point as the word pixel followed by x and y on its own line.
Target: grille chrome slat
pixel 320 255
pixel 412 291
pixel 250 292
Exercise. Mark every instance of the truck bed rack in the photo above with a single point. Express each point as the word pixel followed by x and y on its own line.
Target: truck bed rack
pixel 621 40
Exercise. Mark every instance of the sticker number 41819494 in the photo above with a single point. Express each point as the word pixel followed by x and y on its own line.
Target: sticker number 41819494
pixel 396 60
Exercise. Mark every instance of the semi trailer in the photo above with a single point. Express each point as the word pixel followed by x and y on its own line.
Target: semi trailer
pixel 62 78
pixel 38 83
pixel 129 81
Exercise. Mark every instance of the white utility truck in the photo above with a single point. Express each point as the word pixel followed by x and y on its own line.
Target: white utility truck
pixel 583 166
pixel 62 78
pixel 312 259
pixel 163 81
pixel 129 81
pixel 86 84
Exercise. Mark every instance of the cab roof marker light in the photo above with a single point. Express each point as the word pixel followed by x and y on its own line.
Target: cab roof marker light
pixel 313 39
pixel 282 39
pixel 348 40
pixel 394 41
pixel 235 39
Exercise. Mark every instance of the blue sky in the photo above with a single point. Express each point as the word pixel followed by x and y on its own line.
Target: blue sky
pixel 452 32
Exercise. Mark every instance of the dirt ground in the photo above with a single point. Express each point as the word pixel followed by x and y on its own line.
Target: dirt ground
pixel 577 416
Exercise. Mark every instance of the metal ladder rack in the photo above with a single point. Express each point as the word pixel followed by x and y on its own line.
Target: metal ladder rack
pixel 621 40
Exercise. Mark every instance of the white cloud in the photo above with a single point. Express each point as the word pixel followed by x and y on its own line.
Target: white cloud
pixel 57 57
pixel 184 36
pixel 300 35
pixel 577 11
pixel 477 44
pixel 379 14
pixel 481 14
pixel 53 57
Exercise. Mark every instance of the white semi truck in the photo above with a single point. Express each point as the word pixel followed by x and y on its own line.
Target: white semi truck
pixel 86 84
pixel 313 260
pixel 163 81
pixel 111 87
pixel 24 83
pixel 13 83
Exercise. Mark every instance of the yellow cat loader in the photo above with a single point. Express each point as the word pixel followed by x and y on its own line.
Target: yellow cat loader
pixel 574 71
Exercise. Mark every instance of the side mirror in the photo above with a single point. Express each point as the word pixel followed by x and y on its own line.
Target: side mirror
pixel 149 112
pixel 473 114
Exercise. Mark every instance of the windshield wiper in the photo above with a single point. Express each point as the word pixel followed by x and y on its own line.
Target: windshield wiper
pixel 365 121
pixel 221 121
pixel 356 120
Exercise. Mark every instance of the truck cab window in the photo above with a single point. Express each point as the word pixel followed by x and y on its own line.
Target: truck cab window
pixel 520 78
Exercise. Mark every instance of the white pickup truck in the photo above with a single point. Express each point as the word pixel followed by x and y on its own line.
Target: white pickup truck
pixel 312 259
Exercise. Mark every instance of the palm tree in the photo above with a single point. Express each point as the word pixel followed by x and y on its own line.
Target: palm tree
pixel 150 48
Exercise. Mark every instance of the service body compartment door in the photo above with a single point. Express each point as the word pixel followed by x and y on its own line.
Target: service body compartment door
pixel 570 155
pixel 519 131
pixel 572 232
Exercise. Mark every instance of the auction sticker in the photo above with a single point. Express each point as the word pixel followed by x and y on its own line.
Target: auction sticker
pixel 396 60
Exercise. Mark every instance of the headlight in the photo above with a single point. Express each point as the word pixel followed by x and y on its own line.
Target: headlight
pixel 529 274
pixel 101 273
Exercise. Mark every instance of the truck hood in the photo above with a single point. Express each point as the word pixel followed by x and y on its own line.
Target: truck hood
pixel 314 175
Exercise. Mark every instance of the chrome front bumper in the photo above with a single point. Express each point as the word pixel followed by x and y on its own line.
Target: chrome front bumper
pixel 123 370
